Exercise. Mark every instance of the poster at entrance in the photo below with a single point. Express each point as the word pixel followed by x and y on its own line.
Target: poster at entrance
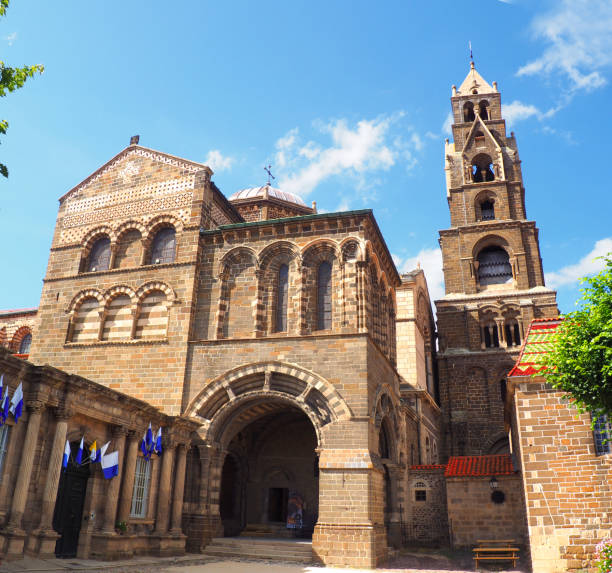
pixel 295 508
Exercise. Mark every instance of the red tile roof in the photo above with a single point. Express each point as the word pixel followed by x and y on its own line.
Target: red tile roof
pixel 428 467
pixel 538 342
pixel 18 311
pixel 472 466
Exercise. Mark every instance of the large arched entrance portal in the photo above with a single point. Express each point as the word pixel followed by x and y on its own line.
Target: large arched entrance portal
pixel 269 477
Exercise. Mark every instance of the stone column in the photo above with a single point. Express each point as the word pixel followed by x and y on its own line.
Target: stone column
pixel 179 489
pixel 127 486
pixel 112 493
pixel 163 493
pixel 54 471
pixel 22 484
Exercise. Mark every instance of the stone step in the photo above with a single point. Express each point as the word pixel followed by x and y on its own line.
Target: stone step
pixel 297 551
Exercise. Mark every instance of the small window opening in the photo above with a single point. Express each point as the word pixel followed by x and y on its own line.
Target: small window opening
pixel 494 266
pixel 468 112
pixel 324 296
pixel 503 389
pixel 490 336
pixel 513 334
pixel 487 210
pixel 498 496
pixel 282 298
pixel 482 169
pixel 474 92
pixel 26 342
pixel 483 109
pixel 479 139
pixel 420 495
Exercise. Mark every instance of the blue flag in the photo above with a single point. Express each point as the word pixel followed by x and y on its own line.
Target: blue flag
pixel 147 443
pixel 79 456
pixel 158 442
pixel 17 403
pixel 66 454
pixel 110 465
pixel 4 406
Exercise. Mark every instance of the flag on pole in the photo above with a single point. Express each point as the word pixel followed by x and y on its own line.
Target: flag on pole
pixel 158 442
pixel 102 450
pixel 147 443
pixel 17 403
pixel 66 455
pixel 110 465
pixel 79 456
pixel 5 405
pixel 93 453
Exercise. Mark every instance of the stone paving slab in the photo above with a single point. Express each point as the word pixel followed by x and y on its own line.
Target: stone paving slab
pixel 406 563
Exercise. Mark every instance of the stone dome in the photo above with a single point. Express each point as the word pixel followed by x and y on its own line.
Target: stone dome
pixel 265 192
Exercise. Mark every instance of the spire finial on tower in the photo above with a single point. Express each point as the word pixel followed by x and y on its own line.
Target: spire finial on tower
pixel 471 55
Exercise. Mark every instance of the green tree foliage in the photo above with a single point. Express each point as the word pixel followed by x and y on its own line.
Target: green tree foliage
pixel 12 79
pixel 581 360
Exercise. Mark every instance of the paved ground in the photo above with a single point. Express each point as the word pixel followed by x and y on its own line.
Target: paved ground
pixel 406 563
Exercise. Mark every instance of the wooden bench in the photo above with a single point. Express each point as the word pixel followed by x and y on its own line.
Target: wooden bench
pixel 496 550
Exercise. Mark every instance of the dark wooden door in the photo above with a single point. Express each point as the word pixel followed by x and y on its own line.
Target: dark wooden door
pixel 68 513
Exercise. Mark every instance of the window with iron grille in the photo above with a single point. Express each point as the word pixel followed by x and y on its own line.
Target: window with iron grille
pixel 602 433
pixel 164 246
pixel 142 484
pixel 324 296
pixel 4 437
pixel 282 298
pixel 26 342
pixel 99 256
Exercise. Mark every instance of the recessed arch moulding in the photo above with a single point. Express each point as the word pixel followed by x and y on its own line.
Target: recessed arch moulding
pixel 350 464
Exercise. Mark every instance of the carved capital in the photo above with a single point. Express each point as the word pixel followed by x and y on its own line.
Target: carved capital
pixel 119 430
pixel 34 406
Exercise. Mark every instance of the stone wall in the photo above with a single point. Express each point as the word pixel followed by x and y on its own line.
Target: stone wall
pixel 567 487
pixel 473 515
pixel 426 519
pixel 14 325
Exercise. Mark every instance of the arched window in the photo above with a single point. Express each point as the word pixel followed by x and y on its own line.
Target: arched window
pixel 482 169
pixel 163 247
pixel 26 342
pixel 282 298
pixel 468 112
pixel 383 443
pixel 99 256
pixel 494 266
pixel 324 296
pixel 487 210
pixel 427 450
pixel 483 110
pixel 503 389
pixel 512 332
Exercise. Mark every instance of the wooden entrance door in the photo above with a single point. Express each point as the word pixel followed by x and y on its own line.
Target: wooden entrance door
pixel 68 513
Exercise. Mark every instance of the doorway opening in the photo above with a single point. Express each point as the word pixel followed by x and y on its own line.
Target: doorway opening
pixel 68 513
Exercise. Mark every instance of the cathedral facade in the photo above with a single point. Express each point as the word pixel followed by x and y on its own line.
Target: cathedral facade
pixel 294 372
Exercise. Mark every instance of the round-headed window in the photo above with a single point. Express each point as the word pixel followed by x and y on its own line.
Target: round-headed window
pixel 494 266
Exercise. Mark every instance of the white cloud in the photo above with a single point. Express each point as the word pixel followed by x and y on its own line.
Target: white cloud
pixel 448 124
pixel 517 111
pixel 431 263
pixel 354 152
pixel 579 43
pixel 571 274
pixel 217 161
pixel 10 39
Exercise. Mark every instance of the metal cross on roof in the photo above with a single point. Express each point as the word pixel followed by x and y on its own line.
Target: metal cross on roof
pixel 268 170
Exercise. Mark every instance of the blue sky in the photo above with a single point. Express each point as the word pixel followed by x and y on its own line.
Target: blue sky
pixel 347 100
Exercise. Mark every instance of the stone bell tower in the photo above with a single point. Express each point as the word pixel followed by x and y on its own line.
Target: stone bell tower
pixel 492 271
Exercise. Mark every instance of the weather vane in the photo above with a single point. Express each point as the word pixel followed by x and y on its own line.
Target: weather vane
pixel 268 170
pixel 471 56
